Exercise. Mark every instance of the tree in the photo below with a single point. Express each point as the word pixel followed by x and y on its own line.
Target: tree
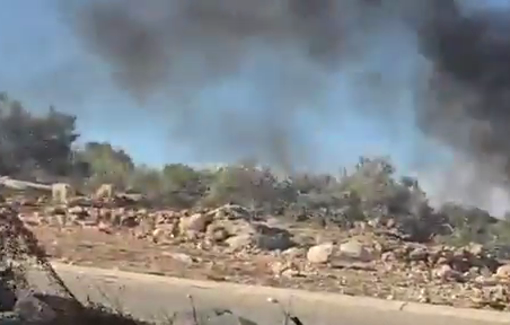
pixel 107 164
pixel 245 185
pixel 183 186
pixel 32 146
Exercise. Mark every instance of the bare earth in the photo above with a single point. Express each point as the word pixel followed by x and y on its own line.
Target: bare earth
pixel 121 250
pixel 230 244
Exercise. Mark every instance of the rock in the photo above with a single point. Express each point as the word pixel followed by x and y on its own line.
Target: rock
pixel 388 257
pixel 294 252
pixel 503 271
pixel 105 191
pixel 196 222
pixel 272 238
pixel 243 233
pixel 32 309
pixel 419 254
pixel 129 221
pixel 236 226
pixel 164 231
pixel 76 210
pixel 353 249
pixel 442 271
pixel 476 249
pixel 320 253
pixel 146 226
pixel 273 242
pixel 216 233
pixel 104 227
pixel 60 193
pixel 445 272
pixel 231 212
pixel 496 296
pixel 284 269
pixel 483 280
pixel 240 241
pixel 181 257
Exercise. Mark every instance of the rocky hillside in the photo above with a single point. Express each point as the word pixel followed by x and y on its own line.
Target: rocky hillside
pixel 380 256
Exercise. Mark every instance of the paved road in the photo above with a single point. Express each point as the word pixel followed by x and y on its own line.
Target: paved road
pixel 152 297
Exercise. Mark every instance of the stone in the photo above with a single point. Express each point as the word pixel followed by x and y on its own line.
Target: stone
pixel 60 193
pixel 273 242
pixel 388 257
pixel 163 231
pixel 129 221
pixel 419 254
pixel 294 252
pixel 240 241
pixel 104 227
pixel 105 191
pixel 503 271
pixel 353 249
pixel 319 254
pixel 196 222
pixel 217 233
pixel 476 249
pixel 445 272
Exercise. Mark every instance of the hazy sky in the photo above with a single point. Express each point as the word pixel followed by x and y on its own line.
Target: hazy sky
pixel 41 63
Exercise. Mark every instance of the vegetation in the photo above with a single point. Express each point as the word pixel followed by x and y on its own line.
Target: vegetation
pixel 44 148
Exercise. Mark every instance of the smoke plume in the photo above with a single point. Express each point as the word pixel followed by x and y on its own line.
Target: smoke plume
pixel 467 102
pixel 292 52
pixel 280 57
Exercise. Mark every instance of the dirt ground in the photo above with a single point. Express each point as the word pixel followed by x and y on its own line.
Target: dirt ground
pixel 123 251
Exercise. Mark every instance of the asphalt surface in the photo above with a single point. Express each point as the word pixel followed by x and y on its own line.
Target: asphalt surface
pixel 157 298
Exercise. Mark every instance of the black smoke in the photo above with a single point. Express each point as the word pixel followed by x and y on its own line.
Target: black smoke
pixel 181 47
pixel 286 50
pixel 467 103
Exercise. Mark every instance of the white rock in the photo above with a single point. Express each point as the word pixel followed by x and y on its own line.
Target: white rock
pixel 503 271
pixel 240 241
pixel 320 253
pixel 353 249
pixel 196 222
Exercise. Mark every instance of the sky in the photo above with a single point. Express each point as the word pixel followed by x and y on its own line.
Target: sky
pixel 42 64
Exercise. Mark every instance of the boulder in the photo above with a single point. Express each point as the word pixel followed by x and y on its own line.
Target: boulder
pixel 355 250
pixel 105 191
pixel 322 253
pixel 60 193
pixel 197 222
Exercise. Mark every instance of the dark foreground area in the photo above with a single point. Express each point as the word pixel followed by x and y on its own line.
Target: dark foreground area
pixel 58 310
pixel 55 310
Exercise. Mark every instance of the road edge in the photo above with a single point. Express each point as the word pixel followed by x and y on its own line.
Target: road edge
pixel 282 294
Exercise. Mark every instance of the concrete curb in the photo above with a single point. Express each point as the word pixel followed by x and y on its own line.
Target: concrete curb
pixel 306 296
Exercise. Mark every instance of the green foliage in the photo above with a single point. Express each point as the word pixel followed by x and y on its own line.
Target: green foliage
pixel 183 186
pixel 35 146
pixel 43 147
pixel 107 164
